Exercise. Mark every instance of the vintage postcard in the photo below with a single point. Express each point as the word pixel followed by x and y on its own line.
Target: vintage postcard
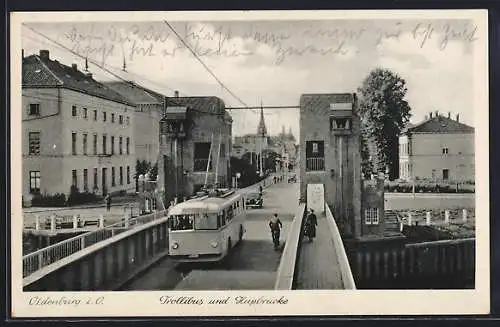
pixel 249 163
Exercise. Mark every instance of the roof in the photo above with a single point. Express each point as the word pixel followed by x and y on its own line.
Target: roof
pixel 176 112
pixel 208 104
pixel 206 204
pixel 440 125
pixel 136 93
pixel 44 72
pixel 324 100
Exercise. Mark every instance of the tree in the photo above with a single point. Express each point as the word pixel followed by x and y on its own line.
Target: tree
pixel 384 113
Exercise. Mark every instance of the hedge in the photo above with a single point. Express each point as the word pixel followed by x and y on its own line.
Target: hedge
pixel 59 199
pixel 429 187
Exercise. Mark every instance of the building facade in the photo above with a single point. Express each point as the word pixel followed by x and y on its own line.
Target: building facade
pixel 329 139
pixel 195 146
pixel 149 106
pixel 76 131
pixel 439 148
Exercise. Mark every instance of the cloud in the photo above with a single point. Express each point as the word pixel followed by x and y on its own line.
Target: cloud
pixel 437 79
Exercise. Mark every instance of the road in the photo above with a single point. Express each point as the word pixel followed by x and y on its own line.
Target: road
pixel 396 201
pixel 252 264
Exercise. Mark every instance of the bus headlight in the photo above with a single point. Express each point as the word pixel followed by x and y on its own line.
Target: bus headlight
pixel 214 244
pixel 175 245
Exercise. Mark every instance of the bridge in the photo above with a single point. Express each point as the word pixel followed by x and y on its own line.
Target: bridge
pixel 135 256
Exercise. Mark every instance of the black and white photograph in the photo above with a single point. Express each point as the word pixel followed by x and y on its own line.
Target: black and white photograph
pixel 249 163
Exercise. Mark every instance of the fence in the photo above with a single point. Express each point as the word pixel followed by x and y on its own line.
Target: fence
pixel 345 268
pixel 288 263
pixel 35 261
pixel 315 164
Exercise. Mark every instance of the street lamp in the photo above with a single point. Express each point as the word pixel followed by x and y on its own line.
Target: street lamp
pixel 238 175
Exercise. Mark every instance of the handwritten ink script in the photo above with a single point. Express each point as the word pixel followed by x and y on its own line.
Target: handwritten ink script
pixel 157 40
pixel 62 301
pixel 242 300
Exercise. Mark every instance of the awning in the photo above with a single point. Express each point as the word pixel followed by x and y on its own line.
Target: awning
pixel 176 112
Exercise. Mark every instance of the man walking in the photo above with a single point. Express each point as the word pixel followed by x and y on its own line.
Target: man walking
pixel 275 225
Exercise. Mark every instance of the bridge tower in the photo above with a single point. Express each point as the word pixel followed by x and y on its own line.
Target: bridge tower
pixel 331 159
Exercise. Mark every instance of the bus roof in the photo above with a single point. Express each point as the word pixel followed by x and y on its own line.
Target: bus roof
pixel 209 204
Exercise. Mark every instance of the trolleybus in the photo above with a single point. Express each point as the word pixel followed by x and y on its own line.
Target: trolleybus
pixel 207 227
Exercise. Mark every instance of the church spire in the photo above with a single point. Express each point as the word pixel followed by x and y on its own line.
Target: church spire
pixel 261 129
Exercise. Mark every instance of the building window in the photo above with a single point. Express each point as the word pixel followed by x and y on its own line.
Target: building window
pixel 73 144
pixel 34 109
pixel 94 145
pixel 120 145
pixel 112 117
pixel 121 120
pixel 85 143
pixel 74 179
pixel 121 175
pixel 104 117
pixel 128 145
pixel 315 155
pixel 128 120
pixel 104 144
pixel 371 216
pixel 201 154
pixel 95 179
pixel 35 182
pixel 445 150
pixel 112 145
pixel 128 174
pixel 446 174
pixel 85 113
pixel 95 115
pixel 86 180
pixel 34 143
pixel 73 111
pixel 222 150
pixel 113 181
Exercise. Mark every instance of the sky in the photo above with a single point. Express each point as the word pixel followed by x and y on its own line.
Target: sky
pixel 274 62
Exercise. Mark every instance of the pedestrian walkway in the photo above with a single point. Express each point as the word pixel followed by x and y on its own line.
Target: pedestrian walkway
pixel 318 267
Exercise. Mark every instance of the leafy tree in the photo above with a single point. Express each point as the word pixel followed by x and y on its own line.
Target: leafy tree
pixel 384 113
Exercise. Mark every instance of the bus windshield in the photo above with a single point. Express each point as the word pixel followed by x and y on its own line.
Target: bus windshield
pixel 181 222
pixel 206 222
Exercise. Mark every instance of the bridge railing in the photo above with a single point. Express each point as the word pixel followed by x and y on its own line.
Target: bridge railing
pixel 286 269
pixel 345 268
pixel 37 260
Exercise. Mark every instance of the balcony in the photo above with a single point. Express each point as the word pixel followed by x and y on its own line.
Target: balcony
pixel 201 165
pixel 315 164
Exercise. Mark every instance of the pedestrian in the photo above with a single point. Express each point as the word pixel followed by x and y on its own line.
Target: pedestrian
pixel 108 202
pixel 310 225
pixel 274 178
pixel 275 226
pixel 260 190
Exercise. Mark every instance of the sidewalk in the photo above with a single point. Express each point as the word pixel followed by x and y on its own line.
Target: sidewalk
pixel 318 267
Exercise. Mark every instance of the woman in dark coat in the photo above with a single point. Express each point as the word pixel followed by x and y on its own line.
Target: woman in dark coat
pixel 311 224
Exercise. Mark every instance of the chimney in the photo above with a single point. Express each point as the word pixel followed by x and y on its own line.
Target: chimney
pixel 458 118
pixel 75 67
pixel 430 114
pixel 449 115
pixel 44 54
pixel 176 94
pixel 437 113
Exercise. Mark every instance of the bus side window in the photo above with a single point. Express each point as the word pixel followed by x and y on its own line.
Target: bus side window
pixel 223 218
pixel 219 220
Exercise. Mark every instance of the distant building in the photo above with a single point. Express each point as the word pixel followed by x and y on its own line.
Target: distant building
pixel 194 134
pixel 438 148
pixel 253 144
pixel 76 131
pixel 149 107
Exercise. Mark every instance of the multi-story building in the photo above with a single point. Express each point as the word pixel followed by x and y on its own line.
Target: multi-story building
pixel 438 148
pixel 149 107
pixel 195 136
pixel 76 131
